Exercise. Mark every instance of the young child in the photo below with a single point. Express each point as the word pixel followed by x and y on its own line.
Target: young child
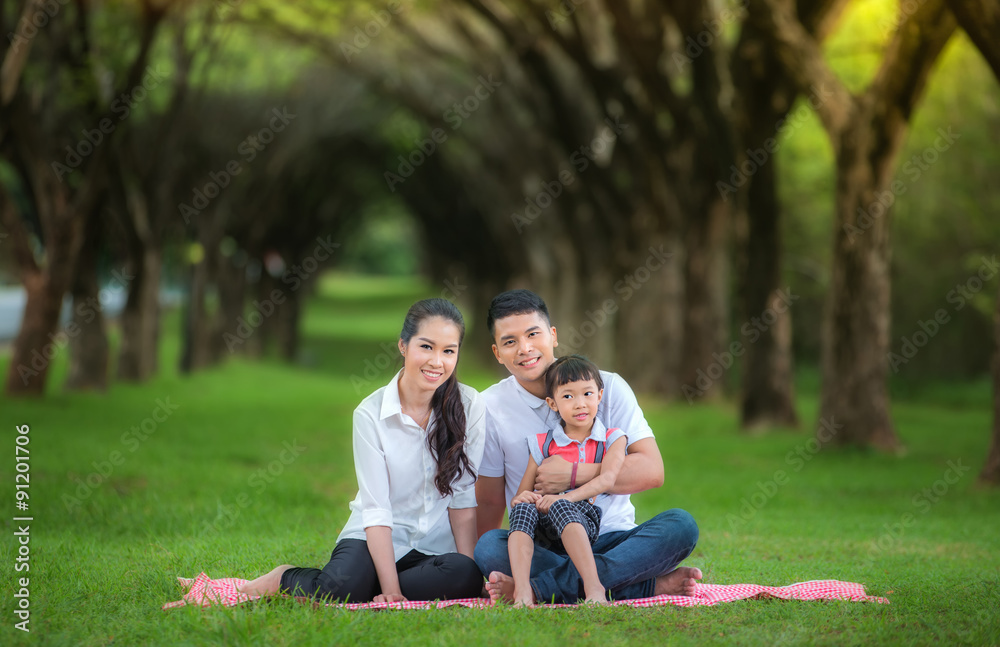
pixel 573 388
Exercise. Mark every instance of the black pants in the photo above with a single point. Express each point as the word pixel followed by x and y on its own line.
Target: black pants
pixel 350 576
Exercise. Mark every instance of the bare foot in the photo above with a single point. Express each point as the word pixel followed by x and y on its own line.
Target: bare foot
pixel 679 581
pixel 266 584
pixel 524 599
pixel 596 597
pixel 501 588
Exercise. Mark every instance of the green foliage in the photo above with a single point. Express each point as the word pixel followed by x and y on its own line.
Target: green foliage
pixel 100 571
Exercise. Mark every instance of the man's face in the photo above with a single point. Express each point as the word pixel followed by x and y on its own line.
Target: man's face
pixel 525 345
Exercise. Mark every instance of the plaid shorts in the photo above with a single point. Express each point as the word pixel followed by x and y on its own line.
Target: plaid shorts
pixel 526 518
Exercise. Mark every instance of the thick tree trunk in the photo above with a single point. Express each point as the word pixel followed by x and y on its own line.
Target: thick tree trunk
pixel 854 407
pixel 706 360
pixel 138 357
pixel 650 329
pixel 197 326
pixel 38 342
pixel 766 332
pixel 231 281
pixel 88 345
pixel 991 471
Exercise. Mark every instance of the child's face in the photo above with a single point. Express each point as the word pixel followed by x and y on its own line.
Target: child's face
pixel 576 403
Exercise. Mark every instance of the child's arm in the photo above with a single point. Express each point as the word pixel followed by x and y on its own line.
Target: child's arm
pixel 611 465
pixel 525 492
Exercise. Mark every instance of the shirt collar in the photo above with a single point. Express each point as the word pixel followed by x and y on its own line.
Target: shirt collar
pixel 598 433
pixel 529 398
pixel 390 398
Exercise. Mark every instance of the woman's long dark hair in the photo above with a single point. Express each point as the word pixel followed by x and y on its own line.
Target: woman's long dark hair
pixel 446 438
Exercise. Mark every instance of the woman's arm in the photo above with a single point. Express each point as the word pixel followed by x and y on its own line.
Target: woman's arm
pixel 380 546
pixel 463 526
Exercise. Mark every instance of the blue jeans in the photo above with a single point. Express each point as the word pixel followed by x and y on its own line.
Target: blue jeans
pixel 628 561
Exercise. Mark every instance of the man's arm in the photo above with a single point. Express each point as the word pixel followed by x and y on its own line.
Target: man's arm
pixel 490 495
pixel 642 470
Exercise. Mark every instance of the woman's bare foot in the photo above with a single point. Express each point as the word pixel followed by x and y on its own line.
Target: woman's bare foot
pixel 501 588
pixel 266 584
pixel 679 581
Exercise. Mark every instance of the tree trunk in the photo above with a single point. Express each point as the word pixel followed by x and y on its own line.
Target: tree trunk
pixel 706 360
pixel 855 400
pixel 768 393
pixel 196 327
pixel 232 285
pixel 88 343
pixel 37 342
pixel 287 318
pixel 991 471
pixel 138 357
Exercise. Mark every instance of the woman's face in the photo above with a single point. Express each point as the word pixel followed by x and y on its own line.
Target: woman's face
pixel 430 357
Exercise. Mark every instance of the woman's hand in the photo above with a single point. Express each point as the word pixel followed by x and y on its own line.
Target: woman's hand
pixel 390 598
pixel 545 502
pixel 526 496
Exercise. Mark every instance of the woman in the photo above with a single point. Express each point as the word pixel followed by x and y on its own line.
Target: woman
pixel 417 446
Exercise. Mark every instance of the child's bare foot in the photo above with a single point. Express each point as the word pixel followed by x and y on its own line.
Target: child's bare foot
pixel 679 581
pixel 267 584
pixel 596 597
pixel 500 587
pixel 524 598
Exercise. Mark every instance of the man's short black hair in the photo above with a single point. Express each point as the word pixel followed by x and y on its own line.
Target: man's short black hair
pixel 571 368
pixel 514 302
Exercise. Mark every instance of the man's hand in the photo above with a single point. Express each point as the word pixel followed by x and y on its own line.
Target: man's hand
pixel 389 597
pixel 553 475
pixel 544 503
pixel 525 497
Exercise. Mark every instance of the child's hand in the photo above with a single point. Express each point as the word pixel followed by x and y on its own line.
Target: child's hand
pixel 545 502
pixel 526 497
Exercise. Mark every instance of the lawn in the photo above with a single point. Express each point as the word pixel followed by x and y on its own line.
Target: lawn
pixel 240 468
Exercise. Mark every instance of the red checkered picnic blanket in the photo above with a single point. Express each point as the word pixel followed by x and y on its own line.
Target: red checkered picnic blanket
pixel 204 591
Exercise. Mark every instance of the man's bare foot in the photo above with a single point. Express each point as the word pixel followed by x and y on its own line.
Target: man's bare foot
pixel 501 588
pixel 266 584
pixel 679 581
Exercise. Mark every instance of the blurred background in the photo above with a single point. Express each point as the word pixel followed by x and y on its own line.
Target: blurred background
pixel 723 201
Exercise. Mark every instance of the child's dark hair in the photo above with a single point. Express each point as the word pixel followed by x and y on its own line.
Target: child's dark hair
pixel 571 368
pixel 514 302
pixel 446 439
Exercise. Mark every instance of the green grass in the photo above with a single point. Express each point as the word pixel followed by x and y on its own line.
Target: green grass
pixel 101 570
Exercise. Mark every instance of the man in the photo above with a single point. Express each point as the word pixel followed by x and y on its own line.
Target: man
pixel 632 561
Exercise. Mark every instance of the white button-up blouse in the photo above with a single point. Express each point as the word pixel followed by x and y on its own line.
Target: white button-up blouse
pixel 395 471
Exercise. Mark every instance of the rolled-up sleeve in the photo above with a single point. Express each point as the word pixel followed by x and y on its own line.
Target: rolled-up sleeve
pixel 372 471
pixel 464 492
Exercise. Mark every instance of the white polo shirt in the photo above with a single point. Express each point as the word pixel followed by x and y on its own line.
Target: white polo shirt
pixel 513 415
pixel 395 472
